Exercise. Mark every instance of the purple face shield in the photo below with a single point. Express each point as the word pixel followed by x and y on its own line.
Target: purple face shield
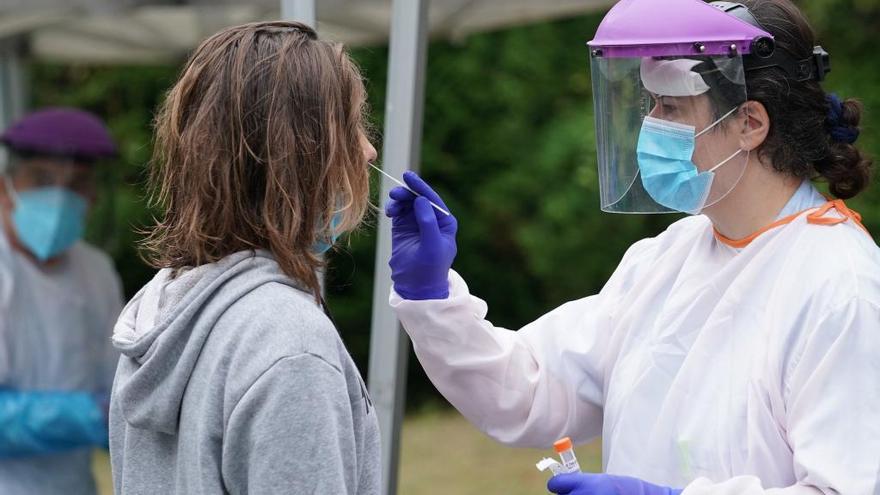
pixel 64 132
pixel 650 28
pixel 677 65
pixel 670 74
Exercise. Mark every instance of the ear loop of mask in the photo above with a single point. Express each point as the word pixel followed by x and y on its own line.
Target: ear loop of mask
pixel 748 153
pixel 737 152
pixel 710 126
pixel 731 157
pixel 713 124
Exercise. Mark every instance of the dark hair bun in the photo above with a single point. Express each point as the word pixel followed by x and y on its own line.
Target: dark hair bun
pixel 842 122
pixel 846 169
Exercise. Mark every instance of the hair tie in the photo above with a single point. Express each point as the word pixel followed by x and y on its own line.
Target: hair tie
pixel 840 132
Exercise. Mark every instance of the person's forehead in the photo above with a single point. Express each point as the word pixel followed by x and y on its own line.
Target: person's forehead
pixel 698 101
pixel 57 165
pixel 679 99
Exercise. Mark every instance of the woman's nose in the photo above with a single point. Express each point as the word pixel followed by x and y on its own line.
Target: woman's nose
pixel 370 153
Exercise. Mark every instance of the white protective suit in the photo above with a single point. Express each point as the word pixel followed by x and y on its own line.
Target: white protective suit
pixel 726 371
pixel 55 329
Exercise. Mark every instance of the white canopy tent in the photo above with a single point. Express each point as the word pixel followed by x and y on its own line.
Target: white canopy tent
pixel 164 31
pixel 149 31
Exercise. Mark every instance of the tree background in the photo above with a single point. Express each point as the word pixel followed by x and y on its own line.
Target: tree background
pixel 508 143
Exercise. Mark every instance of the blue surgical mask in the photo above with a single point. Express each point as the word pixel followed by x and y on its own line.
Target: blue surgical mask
pixel 665 150
pixel 48 220
pixel 322 246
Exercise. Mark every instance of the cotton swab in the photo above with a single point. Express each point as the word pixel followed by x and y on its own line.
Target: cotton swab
pixel 441 210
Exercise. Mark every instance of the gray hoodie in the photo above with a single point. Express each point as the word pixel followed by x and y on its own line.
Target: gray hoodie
pixel 233 380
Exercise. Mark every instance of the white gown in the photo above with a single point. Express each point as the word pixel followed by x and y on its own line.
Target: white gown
pixel 55 328
pixel 725 371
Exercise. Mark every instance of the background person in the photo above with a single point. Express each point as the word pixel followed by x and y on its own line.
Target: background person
pixel 59 299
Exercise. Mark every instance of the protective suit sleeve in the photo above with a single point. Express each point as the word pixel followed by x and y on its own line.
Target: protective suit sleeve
pixel 523 388
pixel 831 402
pixel 34 422
pixel 291 432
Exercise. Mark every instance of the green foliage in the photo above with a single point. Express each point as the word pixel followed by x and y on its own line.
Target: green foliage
pixel 508 142
pixel 850 31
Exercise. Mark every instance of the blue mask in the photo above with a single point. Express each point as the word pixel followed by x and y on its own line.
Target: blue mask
pixel 48 220
pixel 668 174
pixel 322 246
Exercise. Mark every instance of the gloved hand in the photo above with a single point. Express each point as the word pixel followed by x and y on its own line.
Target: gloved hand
pixel 422 241
pixel 41 422
pixel 604 484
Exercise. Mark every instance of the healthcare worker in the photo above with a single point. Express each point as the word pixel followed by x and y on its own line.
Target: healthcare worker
pixel 59 299
pixel 738 352
pixel 233 378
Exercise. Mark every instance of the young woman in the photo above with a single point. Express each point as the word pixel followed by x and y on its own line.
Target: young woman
pixel 233 378
pixel 738 352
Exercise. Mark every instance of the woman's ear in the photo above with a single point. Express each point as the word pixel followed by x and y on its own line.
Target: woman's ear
pixel 757 125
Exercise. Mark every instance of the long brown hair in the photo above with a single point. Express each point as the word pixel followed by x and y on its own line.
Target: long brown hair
pixel 258 146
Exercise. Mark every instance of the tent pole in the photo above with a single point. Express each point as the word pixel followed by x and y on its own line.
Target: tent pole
pixel 13 90
pixel 299 10
pixel 389 347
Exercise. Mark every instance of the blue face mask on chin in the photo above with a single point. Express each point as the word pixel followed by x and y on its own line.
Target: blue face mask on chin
pixel 668 174
pixel 322 245
pixel 48 220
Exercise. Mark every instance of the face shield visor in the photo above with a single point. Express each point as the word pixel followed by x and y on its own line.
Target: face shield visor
pixel 668 89
pixel 668 131
pixel 27 172
pixel 49 199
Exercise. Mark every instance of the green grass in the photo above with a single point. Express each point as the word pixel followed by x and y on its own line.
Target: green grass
pixel 101 468
pixel 443 454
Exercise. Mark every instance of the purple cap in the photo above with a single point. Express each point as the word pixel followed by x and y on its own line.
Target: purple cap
pixel 655 28
pixel 60 131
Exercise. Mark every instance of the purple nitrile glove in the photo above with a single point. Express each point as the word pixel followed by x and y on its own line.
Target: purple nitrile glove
pixel 605 484
pixel 422 241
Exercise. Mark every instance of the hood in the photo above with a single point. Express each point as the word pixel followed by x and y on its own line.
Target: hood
pixel 162 330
